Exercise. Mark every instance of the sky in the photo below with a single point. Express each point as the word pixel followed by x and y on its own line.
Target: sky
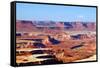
pixel 42 12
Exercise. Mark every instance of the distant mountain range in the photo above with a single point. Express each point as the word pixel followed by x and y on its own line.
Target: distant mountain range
pixel 29 26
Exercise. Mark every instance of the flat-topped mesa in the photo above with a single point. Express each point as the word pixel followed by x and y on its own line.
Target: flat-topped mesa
pixel 25 26
pixel 50 26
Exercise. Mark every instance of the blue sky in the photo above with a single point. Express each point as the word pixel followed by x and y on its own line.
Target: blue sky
pixel 26 11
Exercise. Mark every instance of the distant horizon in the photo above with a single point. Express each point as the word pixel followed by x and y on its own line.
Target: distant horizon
pixel 42 12
pixel 57 21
